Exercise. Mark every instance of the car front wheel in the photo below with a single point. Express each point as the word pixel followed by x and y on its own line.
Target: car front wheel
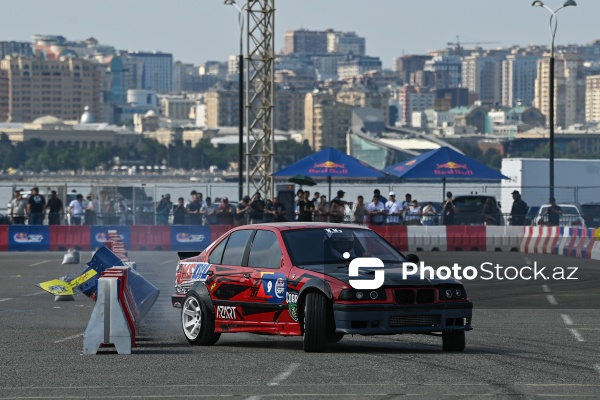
pixel 315 323
pixel 197 322
pixel 453 341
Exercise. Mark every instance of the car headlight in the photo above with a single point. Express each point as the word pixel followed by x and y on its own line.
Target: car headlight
pixel 362 295
pixel 452 292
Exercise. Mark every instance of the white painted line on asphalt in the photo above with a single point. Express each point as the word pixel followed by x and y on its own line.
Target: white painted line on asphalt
pixel 9 298
pixel 577 335
pixel 34 294
pixel 567 319
pixel 40 263
pixel 167 262
pixel 68 338
pixel 545 288
pixel 284 375
pixel 552 300
pixel 254 398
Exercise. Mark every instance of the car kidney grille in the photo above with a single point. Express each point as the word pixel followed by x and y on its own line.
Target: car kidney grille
pixel 415 321
pixel 412 296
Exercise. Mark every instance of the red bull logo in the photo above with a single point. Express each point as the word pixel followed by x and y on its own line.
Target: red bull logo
pixel 405 165
pixel 328 164
pixel 452 165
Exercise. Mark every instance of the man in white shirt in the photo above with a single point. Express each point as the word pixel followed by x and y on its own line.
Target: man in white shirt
pixel 394 209
pixel 76 208
pixel 376 211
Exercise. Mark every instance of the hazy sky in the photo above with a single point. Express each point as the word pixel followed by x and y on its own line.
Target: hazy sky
pixel 199 30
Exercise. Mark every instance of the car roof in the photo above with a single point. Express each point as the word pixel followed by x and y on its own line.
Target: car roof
pixel 287 226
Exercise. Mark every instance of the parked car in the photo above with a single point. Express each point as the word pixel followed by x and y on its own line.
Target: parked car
pixel 591 214
pixel 293 280
pixel 469 209
pixel 531 213
pixel 571 216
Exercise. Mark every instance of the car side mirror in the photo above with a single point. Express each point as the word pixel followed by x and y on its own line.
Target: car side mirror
pixel 413 258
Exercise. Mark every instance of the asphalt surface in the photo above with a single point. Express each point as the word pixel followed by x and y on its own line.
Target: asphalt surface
pixel 531 339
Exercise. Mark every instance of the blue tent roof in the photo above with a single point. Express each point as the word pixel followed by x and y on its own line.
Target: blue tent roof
pixel 444 163
pixel 330 162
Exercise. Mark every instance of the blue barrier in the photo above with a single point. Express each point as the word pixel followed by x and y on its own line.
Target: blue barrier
pixel 99 234
pixel 189 237
pixel 28 238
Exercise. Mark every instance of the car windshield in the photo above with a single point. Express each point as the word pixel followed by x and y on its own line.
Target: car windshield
pixel 471 203
pixel 328 245
pixel 570 210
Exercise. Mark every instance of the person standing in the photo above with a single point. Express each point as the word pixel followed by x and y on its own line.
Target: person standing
pixel 519 210
pixel 491 215
pixel 337 207
pixel 225 216
pixel 76 209
pixel 257 206
pixel 55 209
pixel 242 210
pixel 18 209
pixel 162 210
pixel 448 209
pixel 359 211
pixel 307 208
pixel 413 217
pixel 382 199
pixel 35 207
pixel 394 209
pixel 89 213
pixel 428 212
pixel 275 211
pixel 179 212
pixel 193 210
pixel 376 211
pixel 553 213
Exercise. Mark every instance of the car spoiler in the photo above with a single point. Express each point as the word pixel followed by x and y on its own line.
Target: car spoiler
pixel 187 254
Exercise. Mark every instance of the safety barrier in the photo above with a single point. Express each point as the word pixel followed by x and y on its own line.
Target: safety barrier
pixel 64 237
pixel 124 298
pixel 427 238
pixel 3 237
pixel 466 238
pixel 396 235
pixel 503 238
pixel 150 237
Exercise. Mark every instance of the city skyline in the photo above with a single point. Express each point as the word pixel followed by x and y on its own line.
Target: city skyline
pixel 179 28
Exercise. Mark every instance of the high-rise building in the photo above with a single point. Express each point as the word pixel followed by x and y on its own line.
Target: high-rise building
pixel 445 71
pixel 31 88
pixel 569 89
pixel 222 105
pixel 326 120
pixel 353 66
pixel 157 71
pixel 518 78
pixel 365 93
pixel 303 41
pixel 481 74
pixel 406 66
pixel 345 43
pixel 592 99
pixel 12 48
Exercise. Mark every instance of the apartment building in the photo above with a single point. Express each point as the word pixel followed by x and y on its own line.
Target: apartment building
pixel 326 120
pixel 592 99
pixel 345 43
pixel 157 72
pixel 481 74
pixel 31 88
pixel 303 41
pixel 569 89
pixel 519 71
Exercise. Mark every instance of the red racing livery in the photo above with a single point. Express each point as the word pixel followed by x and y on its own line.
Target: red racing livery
pixel 292 279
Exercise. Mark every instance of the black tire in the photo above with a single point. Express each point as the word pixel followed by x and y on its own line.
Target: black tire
pixel 197 322
pixel 453 341
pixel 315 323
pixel 335 337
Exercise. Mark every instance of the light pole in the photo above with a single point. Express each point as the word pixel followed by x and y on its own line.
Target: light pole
pixel 553 26
pixel 241 99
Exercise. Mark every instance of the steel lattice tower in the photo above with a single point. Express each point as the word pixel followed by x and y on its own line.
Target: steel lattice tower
pixel 260 62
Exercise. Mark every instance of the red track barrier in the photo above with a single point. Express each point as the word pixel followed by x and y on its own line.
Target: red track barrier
pixel 216 231
pixel 150 237
pixel 466 238
pixel 397 235
pixel 64 237
pixel 3 237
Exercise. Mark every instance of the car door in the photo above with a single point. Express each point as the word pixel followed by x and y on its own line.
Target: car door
pixel 268 280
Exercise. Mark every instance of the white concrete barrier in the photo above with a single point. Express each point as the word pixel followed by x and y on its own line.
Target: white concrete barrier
pixel 504 238
pixel 427 238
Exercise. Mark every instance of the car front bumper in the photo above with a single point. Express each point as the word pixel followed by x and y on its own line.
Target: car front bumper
pixel 383 319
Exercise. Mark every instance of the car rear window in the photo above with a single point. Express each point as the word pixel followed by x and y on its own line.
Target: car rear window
pixel 565 210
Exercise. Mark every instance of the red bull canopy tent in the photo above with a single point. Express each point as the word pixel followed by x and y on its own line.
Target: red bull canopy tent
pixel 330 163
pixel 442 164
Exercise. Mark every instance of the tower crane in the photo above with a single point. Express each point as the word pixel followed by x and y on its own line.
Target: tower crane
pixel 458 47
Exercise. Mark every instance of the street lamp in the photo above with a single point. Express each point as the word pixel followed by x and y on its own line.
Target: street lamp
pixel 241 98
pixel 553 26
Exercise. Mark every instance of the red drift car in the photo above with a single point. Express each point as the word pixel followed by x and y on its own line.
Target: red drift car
pixel 293 279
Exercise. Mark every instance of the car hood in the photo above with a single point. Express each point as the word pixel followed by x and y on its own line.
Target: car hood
pixel 393 275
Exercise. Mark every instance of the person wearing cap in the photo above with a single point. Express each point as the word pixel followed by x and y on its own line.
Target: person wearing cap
pixel 35 207
pixel 519 210
pixel 76 208
pixel 449 209
pixel 394 209
pixel 242 211
pixel 337 207
pixel 163 208
pixel 55 209
pixel 18 209
pixel 257 205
